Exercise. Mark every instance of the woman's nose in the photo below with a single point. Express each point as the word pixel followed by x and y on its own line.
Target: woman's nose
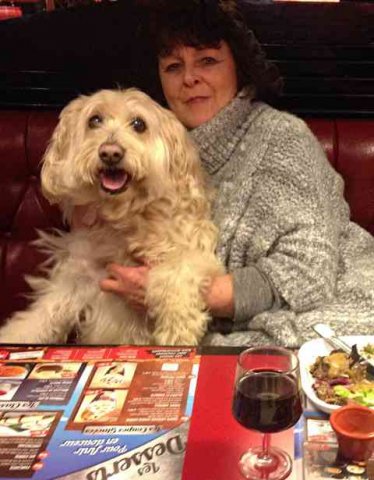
pixel 190 76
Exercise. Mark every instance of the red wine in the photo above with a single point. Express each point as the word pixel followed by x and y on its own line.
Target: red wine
pixel 267 401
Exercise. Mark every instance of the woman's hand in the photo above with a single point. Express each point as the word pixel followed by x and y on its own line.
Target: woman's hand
pixel 131 283
pixel 128 282
pixel 220 297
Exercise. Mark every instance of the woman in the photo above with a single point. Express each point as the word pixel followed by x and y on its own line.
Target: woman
pixel 292 255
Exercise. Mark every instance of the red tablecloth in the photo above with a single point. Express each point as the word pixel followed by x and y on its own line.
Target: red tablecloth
pixel 216 441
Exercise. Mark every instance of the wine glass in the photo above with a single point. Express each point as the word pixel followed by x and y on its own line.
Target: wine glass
pixel 267 398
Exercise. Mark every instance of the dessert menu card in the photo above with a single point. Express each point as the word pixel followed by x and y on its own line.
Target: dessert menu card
pixel 95 413
pixel 321 458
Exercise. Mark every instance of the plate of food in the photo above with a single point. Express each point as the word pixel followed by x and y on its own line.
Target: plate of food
pixel 331 378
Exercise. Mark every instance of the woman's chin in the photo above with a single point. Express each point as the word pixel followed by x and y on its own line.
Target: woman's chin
pixel 193 121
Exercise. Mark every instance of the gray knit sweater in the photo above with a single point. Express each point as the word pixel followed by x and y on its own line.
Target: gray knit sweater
pixel 285 232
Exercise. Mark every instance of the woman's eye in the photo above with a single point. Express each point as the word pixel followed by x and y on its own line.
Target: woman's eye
pixel 138 124
pixel 95 121
pixel 209 61
pixel 172 67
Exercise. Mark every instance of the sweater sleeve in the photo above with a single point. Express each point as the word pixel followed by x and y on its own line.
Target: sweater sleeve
pixel 296 191
pixel 253 293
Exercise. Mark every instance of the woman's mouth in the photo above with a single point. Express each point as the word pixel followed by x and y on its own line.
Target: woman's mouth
pixel 196 100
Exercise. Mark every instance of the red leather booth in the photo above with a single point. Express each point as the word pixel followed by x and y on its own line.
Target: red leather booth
pixel 23 137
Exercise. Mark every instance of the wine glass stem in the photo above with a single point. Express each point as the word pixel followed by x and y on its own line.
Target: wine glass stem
pixel 264 459
pixel 265 446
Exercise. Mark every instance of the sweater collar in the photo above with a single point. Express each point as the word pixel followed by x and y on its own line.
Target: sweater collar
pixel 218 137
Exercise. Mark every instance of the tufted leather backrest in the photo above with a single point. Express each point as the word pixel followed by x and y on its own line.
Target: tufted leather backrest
pixel 23 209
pixel 349 145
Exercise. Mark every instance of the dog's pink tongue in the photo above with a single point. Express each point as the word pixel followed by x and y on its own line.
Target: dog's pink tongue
pixel 113 180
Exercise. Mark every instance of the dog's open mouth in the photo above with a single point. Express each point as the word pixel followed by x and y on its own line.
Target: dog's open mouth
pixel 114 180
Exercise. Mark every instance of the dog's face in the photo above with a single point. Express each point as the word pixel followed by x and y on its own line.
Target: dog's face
pixel 112 143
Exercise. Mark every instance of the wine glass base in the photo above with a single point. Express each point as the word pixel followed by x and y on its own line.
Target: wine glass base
pixel 276 466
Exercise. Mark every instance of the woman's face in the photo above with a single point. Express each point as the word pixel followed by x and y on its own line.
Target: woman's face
pixel 198 82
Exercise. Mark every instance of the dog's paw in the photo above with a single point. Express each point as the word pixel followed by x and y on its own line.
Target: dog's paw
pixel 19 332
pixel 14 338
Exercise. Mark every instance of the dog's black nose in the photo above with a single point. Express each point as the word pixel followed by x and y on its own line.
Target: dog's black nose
pixel 111 153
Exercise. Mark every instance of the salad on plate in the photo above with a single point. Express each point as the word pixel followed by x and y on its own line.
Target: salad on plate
pixel 340 378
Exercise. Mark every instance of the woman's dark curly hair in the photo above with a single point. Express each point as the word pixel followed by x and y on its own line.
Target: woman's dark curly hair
pixel 206 23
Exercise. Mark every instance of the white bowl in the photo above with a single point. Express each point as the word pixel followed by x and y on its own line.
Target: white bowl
pixel 308 354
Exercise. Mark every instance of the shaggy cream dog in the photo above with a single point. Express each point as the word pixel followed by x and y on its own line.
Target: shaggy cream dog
pixel 130 158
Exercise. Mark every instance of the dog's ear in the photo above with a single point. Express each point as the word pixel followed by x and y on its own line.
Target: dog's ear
pixel 59 149
pixel 182 153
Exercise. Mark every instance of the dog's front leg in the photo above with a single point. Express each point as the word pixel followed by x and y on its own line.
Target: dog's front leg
pixel 48 320
pixel 176 305
pixel 52 315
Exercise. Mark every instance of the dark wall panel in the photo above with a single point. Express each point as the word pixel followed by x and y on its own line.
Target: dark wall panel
pixel 324 51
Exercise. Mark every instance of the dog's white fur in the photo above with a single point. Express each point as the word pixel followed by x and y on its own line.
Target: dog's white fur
pixel 163 217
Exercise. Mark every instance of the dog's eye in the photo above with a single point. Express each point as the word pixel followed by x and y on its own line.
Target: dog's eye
pixel 138 125
pixel 95 121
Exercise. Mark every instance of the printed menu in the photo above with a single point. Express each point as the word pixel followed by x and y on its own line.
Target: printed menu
pixel 321 457
pixel 95 413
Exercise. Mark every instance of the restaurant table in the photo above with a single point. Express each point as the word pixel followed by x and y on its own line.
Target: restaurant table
pixel 215 440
